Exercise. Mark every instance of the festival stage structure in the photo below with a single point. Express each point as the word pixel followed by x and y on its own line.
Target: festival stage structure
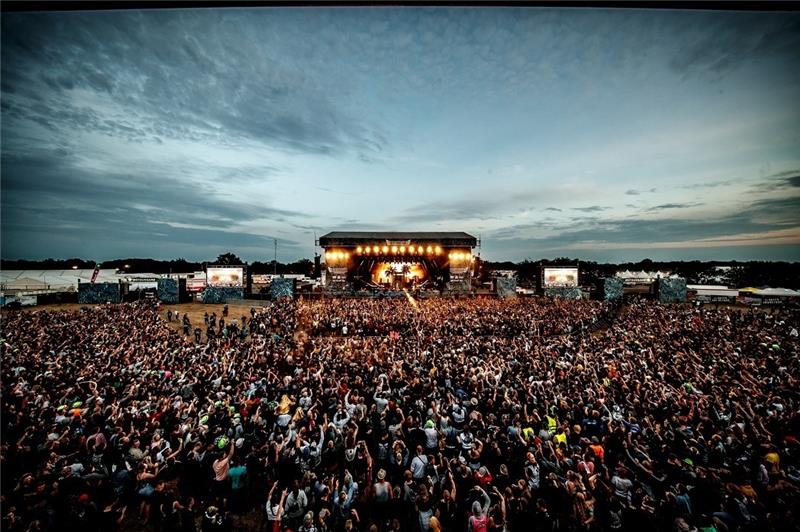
pixel 399 260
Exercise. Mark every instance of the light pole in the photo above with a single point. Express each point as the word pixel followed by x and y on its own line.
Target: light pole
pixel 275 262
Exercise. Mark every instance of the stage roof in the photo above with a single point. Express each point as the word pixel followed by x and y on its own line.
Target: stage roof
pixel 344 238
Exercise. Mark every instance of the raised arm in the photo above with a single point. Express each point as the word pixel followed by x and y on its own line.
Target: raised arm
pixel 486 500
pixel 279 513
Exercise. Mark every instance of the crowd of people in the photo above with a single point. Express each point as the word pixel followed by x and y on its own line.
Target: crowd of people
pixel 440 414
pixel 452 317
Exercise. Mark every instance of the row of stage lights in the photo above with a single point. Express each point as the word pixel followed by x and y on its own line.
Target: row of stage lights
pixel 412 250
pixel 395 250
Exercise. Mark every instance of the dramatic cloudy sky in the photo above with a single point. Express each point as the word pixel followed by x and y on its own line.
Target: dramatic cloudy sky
pixel 600 134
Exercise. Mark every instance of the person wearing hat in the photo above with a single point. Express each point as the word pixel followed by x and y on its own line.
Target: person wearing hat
pixel 431 436
pixel 221 467
pixel 382 494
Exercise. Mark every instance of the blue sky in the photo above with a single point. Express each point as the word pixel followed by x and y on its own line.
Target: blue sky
pixel 605 135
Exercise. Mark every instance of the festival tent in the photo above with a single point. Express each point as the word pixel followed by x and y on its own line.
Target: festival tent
pixel 24 284
pixel 58 280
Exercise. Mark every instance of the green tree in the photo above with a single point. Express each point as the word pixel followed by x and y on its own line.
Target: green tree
pixel 228 259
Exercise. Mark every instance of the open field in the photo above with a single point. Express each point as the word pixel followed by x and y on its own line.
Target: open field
pixel 195 311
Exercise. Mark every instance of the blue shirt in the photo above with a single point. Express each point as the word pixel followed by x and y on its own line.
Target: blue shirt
pixel 236 475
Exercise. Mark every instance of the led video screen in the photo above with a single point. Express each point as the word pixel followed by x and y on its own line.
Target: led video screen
pixel 225 276
pixel 560 277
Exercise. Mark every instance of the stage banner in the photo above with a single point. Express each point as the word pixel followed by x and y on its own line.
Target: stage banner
pixel 95 273
pixel 89 294
pixel 506 287
pixel 672 290
pixel 281 287
pixel 168 290
pixel 612 288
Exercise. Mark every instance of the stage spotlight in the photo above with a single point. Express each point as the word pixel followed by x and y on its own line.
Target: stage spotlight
pixel 402 249
pixel 411 249
pixel 347 254
pixel 359 250
pixel 430 249
pixel 386 249
pixel 438 250
pixel 394 249
pixel 375 249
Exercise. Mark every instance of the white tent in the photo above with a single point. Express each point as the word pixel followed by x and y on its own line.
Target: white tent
pixel 58 279
pixel 24 284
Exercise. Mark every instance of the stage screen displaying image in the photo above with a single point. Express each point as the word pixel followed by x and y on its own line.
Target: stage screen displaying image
pixel 560 277
pixel 225 276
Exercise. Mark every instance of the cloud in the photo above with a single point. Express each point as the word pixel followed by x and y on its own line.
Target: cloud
pixel 48 205
pixel 748 226
pixel 666 206
pixel 593 208
pixel 213 126
pixel 147 76
pixel 713 184
pixel 717 45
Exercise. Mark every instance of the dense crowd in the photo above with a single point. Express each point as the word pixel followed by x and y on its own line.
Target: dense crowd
pixel 423 415
pixel 452 317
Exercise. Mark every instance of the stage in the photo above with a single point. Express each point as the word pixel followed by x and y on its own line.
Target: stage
pixel 396 261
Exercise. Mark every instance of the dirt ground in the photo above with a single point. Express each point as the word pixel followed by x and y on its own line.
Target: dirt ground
pixel 196 312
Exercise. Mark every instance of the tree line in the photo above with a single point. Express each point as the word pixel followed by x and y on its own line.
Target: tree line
pixel 738 274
